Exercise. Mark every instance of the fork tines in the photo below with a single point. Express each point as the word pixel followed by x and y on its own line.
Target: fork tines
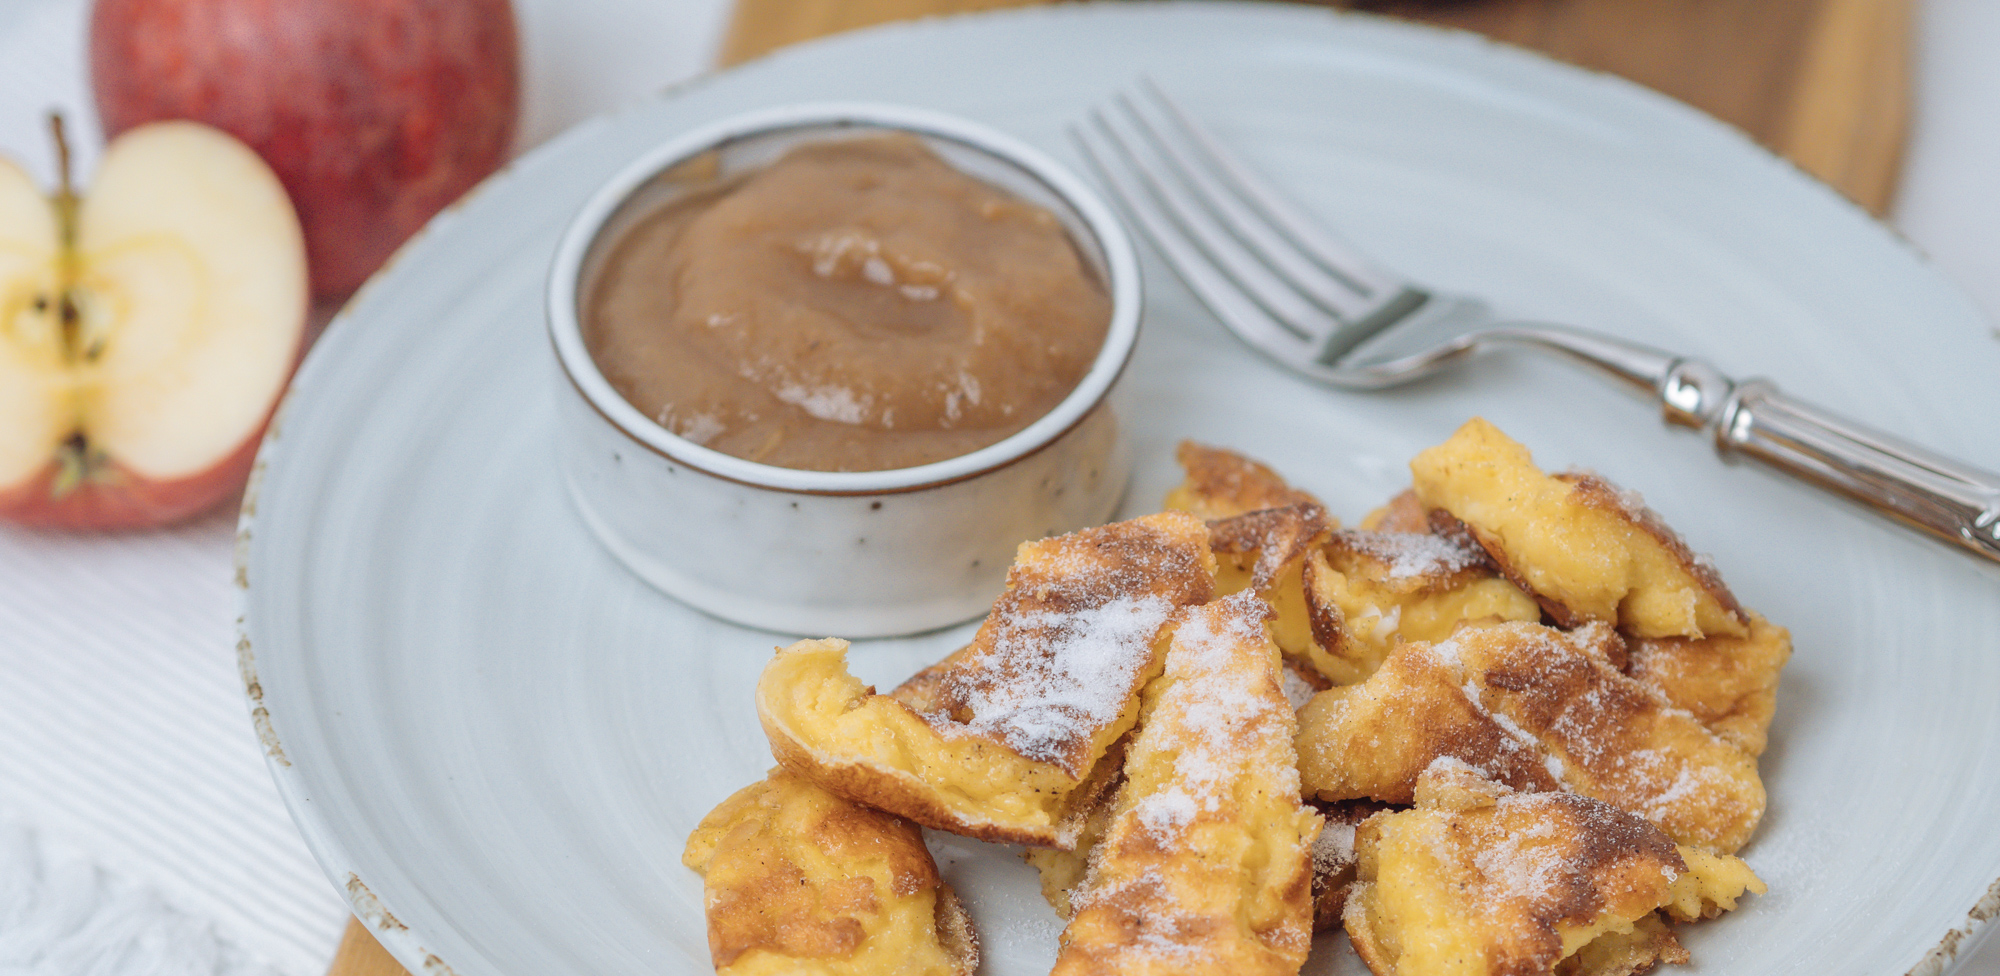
pixel 1278 281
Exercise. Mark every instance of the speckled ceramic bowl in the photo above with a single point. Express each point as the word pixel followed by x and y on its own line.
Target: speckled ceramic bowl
pixel 851 554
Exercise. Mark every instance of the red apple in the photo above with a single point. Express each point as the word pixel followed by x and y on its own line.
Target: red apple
pixel 146 330
pixel 375 113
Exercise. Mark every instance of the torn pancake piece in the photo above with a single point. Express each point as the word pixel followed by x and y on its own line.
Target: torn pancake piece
pixel 1584 548
pixel 1479 879
pixel 1332 853
pixel 1010 738
pixel 1266 552
pixel 1223 484
pixel 1373 739
pixel 797 880
pixel 1536 709
pixel 1205 865
pixel 1367 591
pixel 1730 684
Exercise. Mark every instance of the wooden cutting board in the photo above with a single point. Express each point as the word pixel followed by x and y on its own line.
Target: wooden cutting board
pixel 1823 82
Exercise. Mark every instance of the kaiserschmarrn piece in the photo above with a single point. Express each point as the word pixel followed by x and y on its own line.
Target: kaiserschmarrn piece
pixel 1222 484
pixel 1373 739
pixel 1479 880
pixel 1266 552
pixel 797 880
pixel 1011 738
pixel 1536 709
pixel 1367 591
pixel 1585 549
pixel 1205 863
pixel 1729 683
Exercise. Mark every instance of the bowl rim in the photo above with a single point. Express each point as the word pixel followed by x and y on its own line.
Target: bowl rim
pixel 1120 264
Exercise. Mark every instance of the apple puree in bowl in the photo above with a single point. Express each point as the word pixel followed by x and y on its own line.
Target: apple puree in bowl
pixel 858 305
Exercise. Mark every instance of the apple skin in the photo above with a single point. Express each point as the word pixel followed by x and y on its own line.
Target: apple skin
pixel 375 114
pixel 117 499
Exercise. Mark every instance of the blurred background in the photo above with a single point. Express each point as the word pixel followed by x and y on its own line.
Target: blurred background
pixel 139 832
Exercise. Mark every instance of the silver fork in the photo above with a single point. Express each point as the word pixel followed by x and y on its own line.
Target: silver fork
pixel 1311 302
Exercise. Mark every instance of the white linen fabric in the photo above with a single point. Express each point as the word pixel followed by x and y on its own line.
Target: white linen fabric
pixel 124 737
pixel 62 915
pixel 139 832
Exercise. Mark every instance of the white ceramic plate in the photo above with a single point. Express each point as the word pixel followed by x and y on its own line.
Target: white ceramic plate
pixel 496 740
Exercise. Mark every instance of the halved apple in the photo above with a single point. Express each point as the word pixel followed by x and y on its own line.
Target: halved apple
pixel 146 330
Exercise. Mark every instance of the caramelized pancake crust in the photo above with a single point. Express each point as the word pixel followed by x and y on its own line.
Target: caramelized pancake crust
pixel 1615 741
pixel 1204 866
pixel 1535 709
pixel 1478 880
pixel 799 880
pixel 1418 558
pixel 1260 547
pixel 1221 484
pixel 1729 683
pixel 1373 739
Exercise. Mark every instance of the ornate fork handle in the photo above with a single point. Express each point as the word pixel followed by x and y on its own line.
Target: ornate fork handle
pixel 1953 501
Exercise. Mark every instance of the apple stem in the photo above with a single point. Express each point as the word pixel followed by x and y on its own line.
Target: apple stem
pixel 66 205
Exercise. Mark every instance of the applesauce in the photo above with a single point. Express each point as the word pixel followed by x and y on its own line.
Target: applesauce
pixel 857 305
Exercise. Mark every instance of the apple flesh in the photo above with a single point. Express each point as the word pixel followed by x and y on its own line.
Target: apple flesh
pixel 374 113
pixel 146 331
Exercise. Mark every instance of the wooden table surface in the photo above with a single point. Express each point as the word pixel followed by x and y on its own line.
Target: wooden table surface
pixel 1823 82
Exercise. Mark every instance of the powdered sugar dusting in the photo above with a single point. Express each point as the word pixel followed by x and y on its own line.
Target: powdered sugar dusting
pixel 1665 787
pixel 1451 766
pixel 1279 537
pixel 1628 499
pixel 1213 759
pixel 1219 716
pixel 1060 660
pixel 1168 810
pixel 1155 933
pixel 1072 673
pixel 1447 652
pixel 1526 864
pixel 1413 555
pixel 1606 735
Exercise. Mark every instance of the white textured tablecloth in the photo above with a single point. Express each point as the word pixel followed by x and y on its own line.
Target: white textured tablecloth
pixel 139 832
